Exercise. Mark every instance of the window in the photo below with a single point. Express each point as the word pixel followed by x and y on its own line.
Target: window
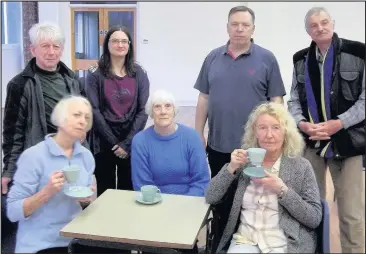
pixel 11 17
pixel 103 2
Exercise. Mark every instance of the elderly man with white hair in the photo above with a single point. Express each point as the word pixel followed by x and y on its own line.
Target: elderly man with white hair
pixel 328 103
pixel 169 155
pixel 30 98
pixel 32 95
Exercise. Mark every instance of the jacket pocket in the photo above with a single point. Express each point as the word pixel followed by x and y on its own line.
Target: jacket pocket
pixel 300 78
pixel 349 85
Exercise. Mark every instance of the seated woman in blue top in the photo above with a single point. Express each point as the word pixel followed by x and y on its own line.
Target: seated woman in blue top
pixel 36 199
pixel 167 154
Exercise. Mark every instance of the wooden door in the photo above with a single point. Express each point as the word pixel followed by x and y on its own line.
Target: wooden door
pixel 88 29
pixel 87 37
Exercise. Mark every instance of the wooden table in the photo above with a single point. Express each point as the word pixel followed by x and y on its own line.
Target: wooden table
pixel 116 217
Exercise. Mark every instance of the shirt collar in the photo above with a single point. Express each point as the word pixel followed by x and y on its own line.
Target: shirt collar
pixel 248 52
pixel 276 166
pixel 56 150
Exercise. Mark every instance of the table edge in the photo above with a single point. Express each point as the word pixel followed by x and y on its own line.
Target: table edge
pixel 128 241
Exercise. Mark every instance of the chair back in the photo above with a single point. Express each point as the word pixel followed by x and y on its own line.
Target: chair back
pixel 323 230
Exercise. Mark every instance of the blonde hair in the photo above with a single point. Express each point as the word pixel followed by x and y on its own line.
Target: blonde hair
pixel 293 144
pixel 60 111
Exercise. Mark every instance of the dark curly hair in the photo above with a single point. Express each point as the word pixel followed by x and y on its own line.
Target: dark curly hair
pixel 104 62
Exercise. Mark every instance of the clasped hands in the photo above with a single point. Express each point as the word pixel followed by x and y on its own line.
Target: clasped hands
pixel 119 152
pixel 239 158
pixel 321 131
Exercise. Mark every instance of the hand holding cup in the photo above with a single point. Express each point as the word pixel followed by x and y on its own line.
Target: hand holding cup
pixel 239 158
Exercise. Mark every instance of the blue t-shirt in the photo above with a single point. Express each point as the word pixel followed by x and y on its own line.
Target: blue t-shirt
pixel 175 163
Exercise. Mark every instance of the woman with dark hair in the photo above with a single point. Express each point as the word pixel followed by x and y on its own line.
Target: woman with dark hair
pixel 118 89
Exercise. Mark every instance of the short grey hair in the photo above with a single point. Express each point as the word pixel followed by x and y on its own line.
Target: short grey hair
pixel 60 111
pixel 312 11
pixel 160 96
pixel 293 144
pixel 46 31
pixel 242 8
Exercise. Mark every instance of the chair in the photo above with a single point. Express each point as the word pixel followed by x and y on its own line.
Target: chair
pixel 219 220
pixel 323 230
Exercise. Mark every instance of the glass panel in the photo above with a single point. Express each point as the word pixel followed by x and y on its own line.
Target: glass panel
pixel 86 35
pixel 14 11
pixel 122 18
pixel 2 24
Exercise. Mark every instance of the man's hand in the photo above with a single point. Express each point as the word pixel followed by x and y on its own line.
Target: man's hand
pixel 119 152
pixel 330 127
pixel 4 184
pixel 308 128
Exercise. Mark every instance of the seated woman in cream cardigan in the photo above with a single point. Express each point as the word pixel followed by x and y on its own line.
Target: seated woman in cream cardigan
pixel 279 212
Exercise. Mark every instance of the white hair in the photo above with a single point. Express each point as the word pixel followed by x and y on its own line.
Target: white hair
pixel 60 111
pixel 160 96
pixel 312 11
pixel 46 31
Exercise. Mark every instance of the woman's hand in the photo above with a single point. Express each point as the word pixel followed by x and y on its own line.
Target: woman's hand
pixel 119 152
pixel 239 158
pixel 271 182
pixel 88 200
pixel 55 183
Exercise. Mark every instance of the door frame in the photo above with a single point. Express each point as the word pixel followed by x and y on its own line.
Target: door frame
pixel 103 25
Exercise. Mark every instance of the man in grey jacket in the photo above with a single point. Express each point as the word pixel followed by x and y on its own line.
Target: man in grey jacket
pixel 31 97
pixel 328 103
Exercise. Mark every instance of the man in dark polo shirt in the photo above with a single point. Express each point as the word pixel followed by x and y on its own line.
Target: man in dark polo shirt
pixel 233 80
pixel 30 99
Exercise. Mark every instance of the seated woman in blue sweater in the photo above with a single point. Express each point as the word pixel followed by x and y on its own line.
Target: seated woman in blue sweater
pixel 167 154
pixel 36 200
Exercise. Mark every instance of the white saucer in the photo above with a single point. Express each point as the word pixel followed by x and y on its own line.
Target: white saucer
pixel 157 199
pixel 82 192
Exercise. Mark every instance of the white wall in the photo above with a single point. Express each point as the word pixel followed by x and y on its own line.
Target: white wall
pixel 180 34
pixel 285 34
pixel 58 13
pixel 11 66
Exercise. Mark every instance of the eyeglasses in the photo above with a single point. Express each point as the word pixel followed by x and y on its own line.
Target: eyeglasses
pixel 116 42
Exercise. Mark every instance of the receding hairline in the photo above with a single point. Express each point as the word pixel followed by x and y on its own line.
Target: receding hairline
pixel 315 11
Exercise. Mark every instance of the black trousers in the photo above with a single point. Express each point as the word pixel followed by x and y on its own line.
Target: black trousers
pixel 216 160
pixel 106 175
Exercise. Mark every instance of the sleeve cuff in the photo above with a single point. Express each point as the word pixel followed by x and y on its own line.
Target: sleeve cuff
pixel 298 119
pixel 16 211
pixel 343 118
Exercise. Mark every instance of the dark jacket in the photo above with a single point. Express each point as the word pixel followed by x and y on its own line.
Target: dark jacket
pixel 24 114
pixel 346 88
pixel 300 210
pixel 130 124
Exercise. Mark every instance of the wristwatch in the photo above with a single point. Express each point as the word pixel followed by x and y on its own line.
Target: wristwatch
pixel 282 192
